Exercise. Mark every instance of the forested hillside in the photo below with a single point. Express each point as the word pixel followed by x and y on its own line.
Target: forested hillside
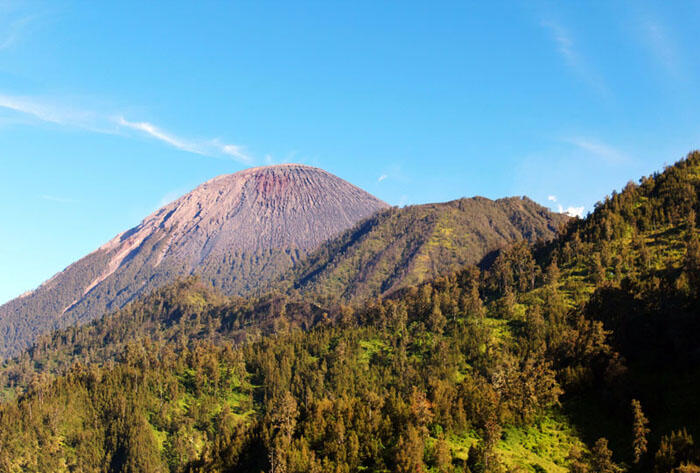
pixel 575 355
pixel 402 247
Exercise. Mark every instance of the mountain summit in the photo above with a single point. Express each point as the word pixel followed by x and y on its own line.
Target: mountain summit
pixel 237 230
pixel 271 207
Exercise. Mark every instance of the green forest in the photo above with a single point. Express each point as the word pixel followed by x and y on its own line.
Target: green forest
pixel 579 354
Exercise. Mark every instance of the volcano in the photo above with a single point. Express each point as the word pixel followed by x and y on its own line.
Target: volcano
pixel 237 231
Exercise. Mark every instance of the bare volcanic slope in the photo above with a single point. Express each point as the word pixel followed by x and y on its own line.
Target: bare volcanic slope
pixel 238 231
pixel 401 247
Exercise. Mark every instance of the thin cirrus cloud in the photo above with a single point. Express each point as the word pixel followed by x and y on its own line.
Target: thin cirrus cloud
pixel 49 112
pixel 382 177
pixel 566 47
pixel 13 32
pixel 599 149
pixel 662 48
pixel 211 147
pixel 58 114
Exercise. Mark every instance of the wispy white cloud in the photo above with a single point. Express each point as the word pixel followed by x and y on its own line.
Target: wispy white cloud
pixel 12 31
pixel 552 198
pixel 562 38
pixel 157 133
pixel 236 152
pixel 290 157
pixel 202 147
pixel 50 111
pixel 394 173
pixel 211 147
pixel 18 19
pixel 564 42
pixel 658 41
pixel 601 150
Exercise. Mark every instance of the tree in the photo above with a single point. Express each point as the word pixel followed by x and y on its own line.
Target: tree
pixel 443 457
pixel 436 320
pixel 674 450
pixel 639 431
pixel 601 458
pixel 472 304
pixel 421 409
pixel 553 274
pixel 576 461
pixel 409 452
pixel 691 263
pixel 283 418
pixel 597 270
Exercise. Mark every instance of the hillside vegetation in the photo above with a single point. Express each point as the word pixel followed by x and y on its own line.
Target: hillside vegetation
pixel 402 247
pixel 575 355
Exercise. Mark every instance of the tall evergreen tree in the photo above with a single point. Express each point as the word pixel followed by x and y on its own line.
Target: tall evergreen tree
pixel 639 431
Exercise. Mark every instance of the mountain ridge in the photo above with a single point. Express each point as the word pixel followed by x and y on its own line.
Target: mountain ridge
pixel 396 247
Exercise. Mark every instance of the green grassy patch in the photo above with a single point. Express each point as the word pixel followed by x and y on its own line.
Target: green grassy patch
pixel 541 446
pixel 369 348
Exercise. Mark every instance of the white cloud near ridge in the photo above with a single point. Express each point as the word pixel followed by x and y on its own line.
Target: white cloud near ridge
pixel 571 211
pixel 575 211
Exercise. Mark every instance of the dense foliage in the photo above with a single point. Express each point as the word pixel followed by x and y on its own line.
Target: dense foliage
pixel 373 389
pixel 575 355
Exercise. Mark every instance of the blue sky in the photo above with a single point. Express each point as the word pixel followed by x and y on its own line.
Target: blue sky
pixel 110 109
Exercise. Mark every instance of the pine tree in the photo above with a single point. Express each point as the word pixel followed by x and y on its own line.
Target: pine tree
pixel 436 320
pixel 409 452
pixel 639 431
pixel 553 274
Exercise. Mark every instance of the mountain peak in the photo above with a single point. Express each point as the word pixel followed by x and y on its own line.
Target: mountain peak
pixel 236 230
pixel 285 205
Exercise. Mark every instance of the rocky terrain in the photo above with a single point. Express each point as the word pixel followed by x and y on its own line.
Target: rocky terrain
pixel 238 231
